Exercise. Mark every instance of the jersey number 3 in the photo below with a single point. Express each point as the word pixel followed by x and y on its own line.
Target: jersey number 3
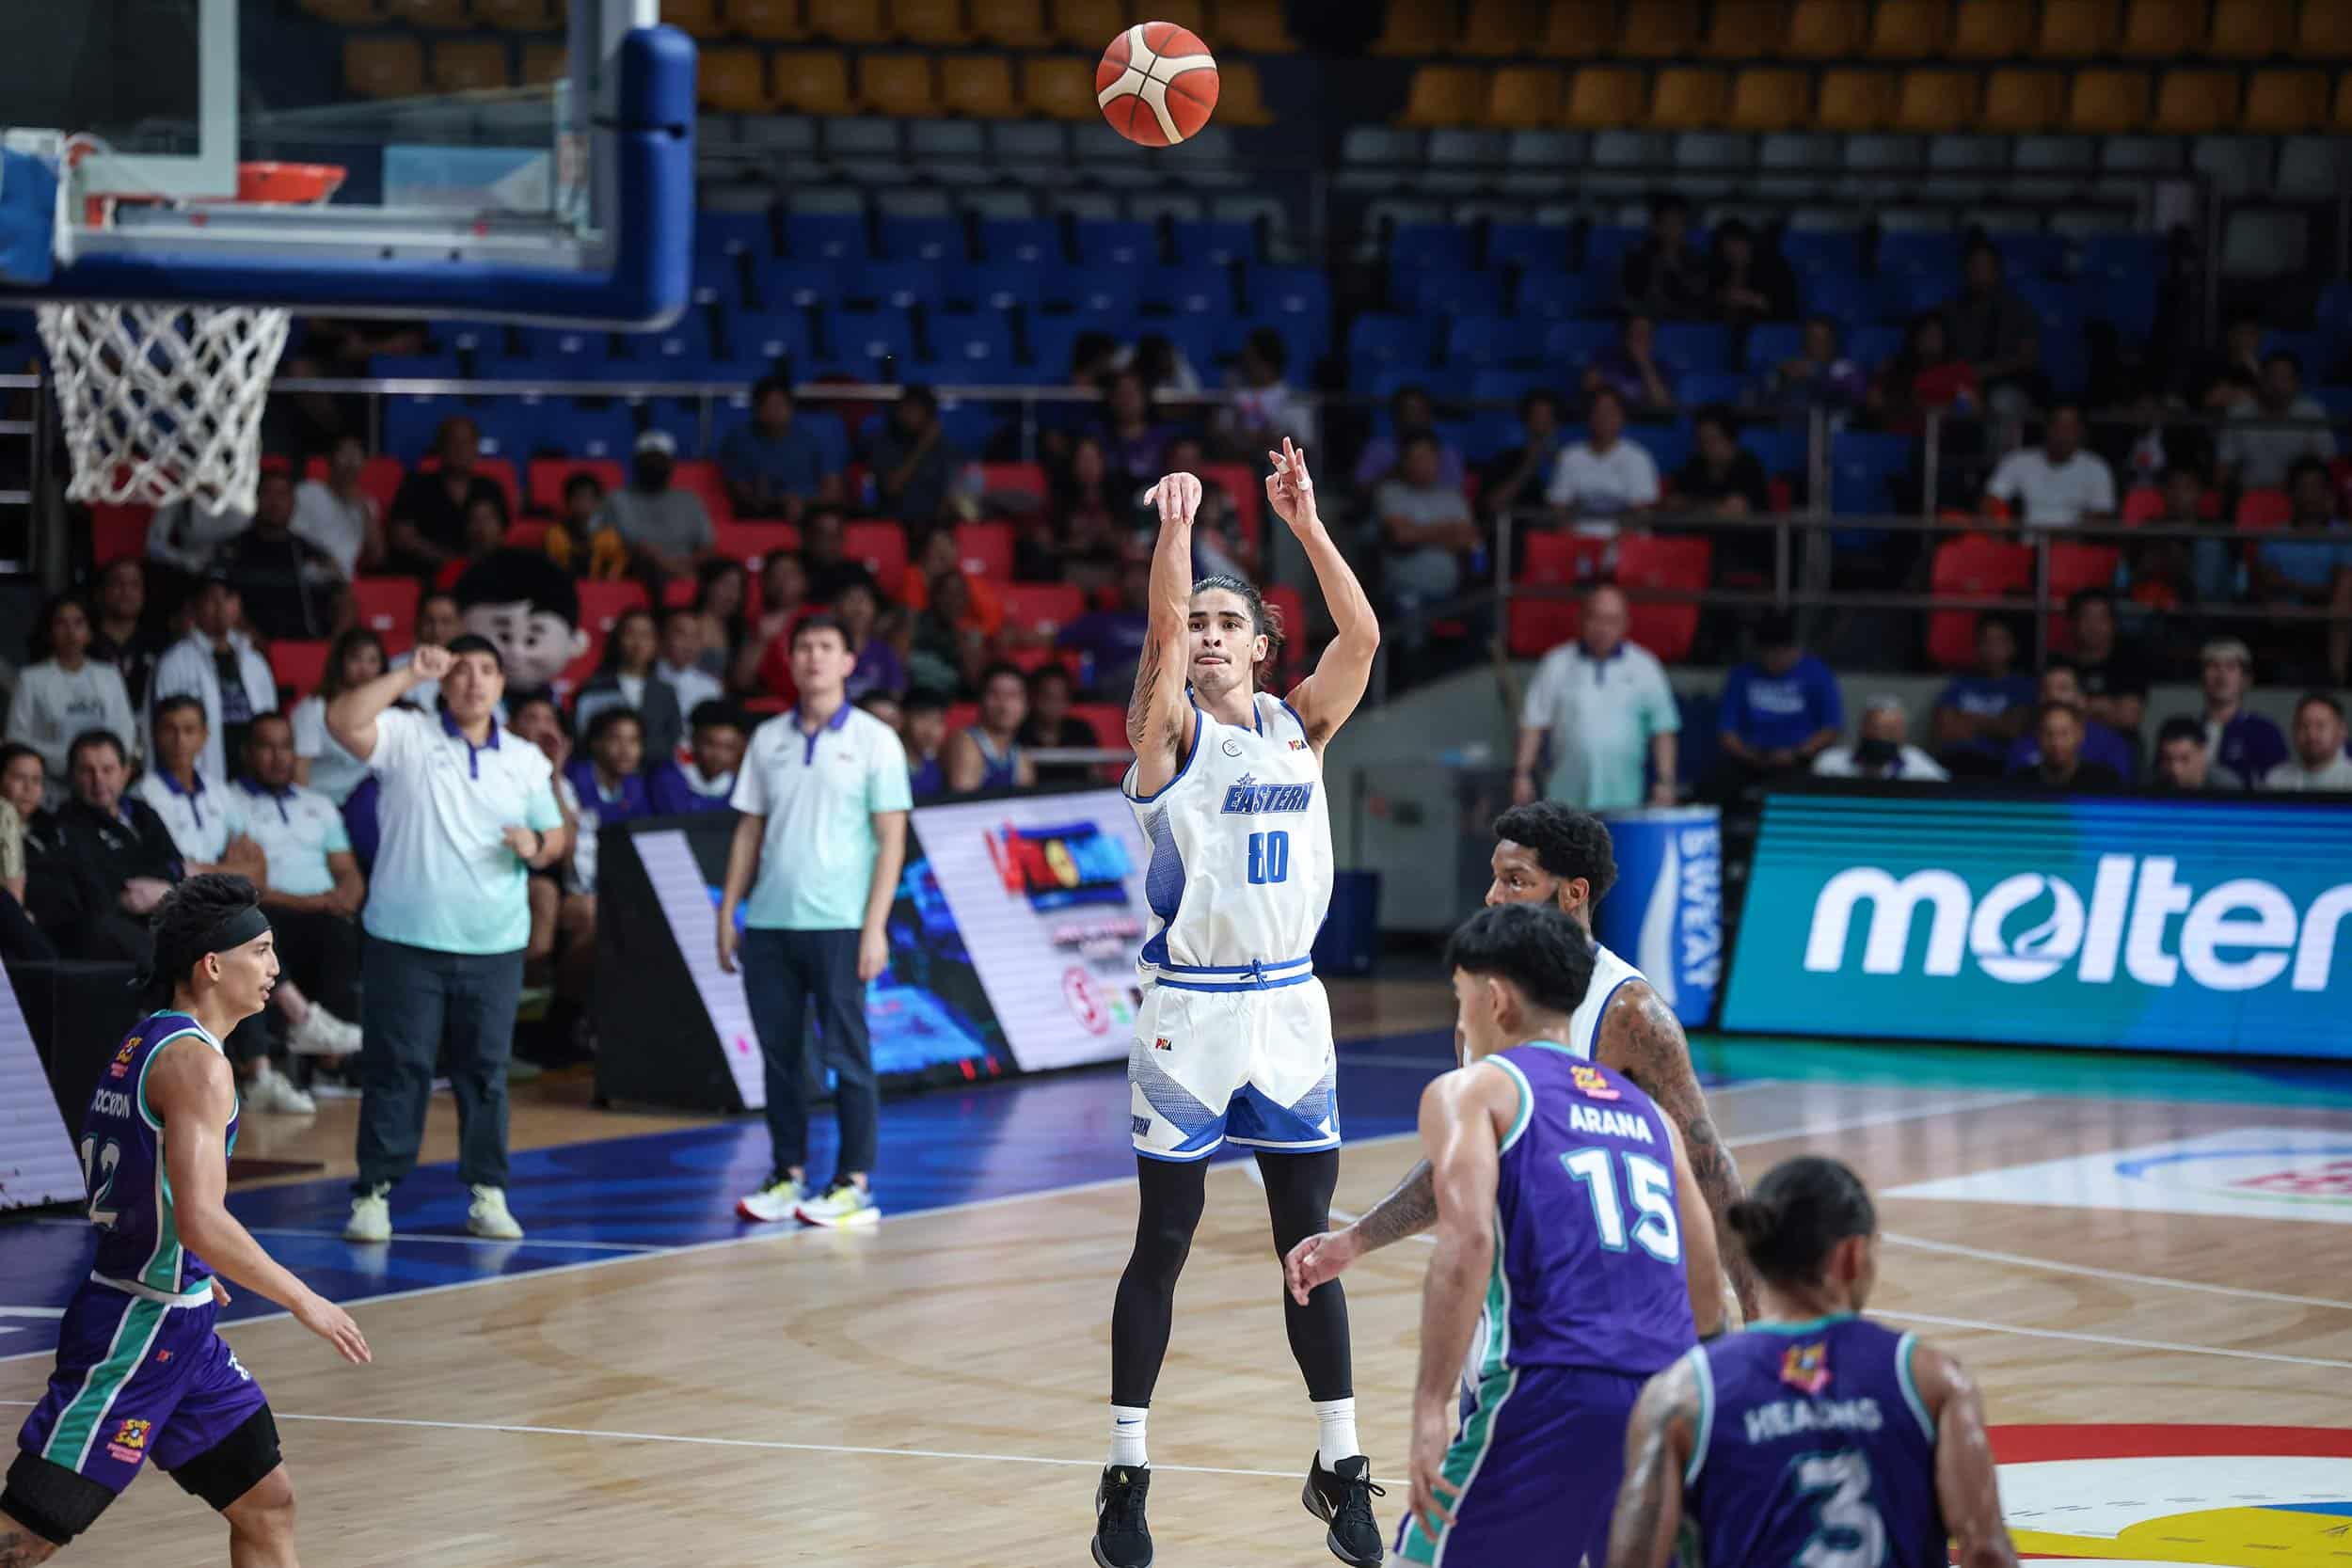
pixel 1648 1186
pixel 1269 858
pixel 1849 1532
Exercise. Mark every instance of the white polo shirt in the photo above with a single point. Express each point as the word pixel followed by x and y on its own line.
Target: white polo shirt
pixel 297 828
pixel 445 878
pixel 1601 713
pixel 2053 494
pixel 202 820
pixel 819 793
pixel 1599 486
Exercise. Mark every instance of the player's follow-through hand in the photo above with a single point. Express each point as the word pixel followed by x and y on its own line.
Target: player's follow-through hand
pixel 1316 1260
pixel 1178 498
pixel 1289 489
pixel 333 1325
pixel 430 662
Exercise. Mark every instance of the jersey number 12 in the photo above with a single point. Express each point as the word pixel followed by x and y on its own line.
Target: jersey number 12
pixel 1269 858
pixel 98 1179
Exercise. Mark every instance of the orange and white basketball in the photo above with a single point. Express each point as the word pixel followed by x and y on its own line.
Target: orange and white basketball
pixel 1157 83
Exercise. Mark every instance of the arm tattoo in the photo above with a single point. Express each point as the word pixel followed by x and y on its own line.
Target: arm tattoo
pixel 1408 1211
pixel 1669 1404
pixel 1642 1038
pixel 1140 706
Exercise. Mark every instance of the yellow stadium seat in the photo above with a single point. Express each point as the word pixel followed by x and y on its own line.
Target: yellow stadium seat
pixel 1934 101
pixel 1444 95
pixel 1770 100
pixel 2161 29
pixel 2106 101
pixel 1659 29
pixel 771 21
pixel 698 19
pixel 1250 26
pixel 1579 30
pixel 516 16
pixel 1240 99
pixel 1015 23
pixel 732 81
pixel 1992 29
pixel 1688 97
pixel 1857 99
pixel 545 61
pixel 1909 29
pixel 1502 28
pixel 2326 31
pixel 1417 27
pixel 2281 103
pixel 1059 87
pixel 470 65
pixel 900 84
pixel 2196 102
pixel 929 22
pixel 980 85
pixel 2251 29
pixel 384 67
pixel 428 13
pixel 1746 30
pixel 1827 29
pixel 846 21
pixel 2076 30
pixel 1090 24
pixel 2018 100
pixel 1523 97
pixel 810 81
pixel 1606 97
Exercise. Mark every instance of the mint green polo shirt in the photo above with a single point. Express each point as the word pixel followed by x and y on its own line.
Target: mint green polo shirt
pixel 819 794
pixel 445 878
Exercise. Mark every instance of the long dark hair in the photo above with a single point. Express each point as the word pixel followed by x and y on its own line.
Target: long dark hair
pixel 331 683
pixel 1801 1209
pixel 1265 621
pixel 611 663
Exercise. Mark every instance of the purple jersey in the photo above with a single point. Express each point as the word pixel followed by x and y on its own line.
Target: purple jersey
pixel 1813 1446
pixel 123 1165
pixel 1588 1248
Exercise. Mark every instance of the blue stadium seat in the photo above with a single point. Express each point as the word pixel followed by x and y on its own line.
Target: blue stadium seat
pixel 968 424
pixel 1908 293
pixel 442 366
pixel 1605 250
pixel 1300 292
pixel 605 430
pixel 2115 250
pixel 1375 341
pixel 1861 464
pixel 1112 294
pixel 2030 254
pixel 1570 344
pixel 1187 291
pixel 2334 314
pixel 1698 388
pixel 785 284
pixel 1872 347
pixel 2310 347
pixel 2336 400
pixel 716 233
pixel 1830 249
pixel 971 348
pixel 683 352
pixel 825 236
pixel 1769 343
pixel 1919 250
pixel 2065 357
pixel 1027 241
pixel 1493 386
pixel 920 239
pixel 1695 345
pixel 1844 296
pixel 2124 297
pixel 1554 294
pixel 1533 246
pixel 1780 449
pixel 1488 434
pixel 1669 445
pixel 859 341
pixel 1216 240
pixel 717 277
pixel 896 284
pixel 997 286
pixel 411 419
pixel 764 336
pixel 1116 243
pixel 2059 303
pixel 1429 244
pixel 1051 339
pixel 1482 341
pixel 1443 291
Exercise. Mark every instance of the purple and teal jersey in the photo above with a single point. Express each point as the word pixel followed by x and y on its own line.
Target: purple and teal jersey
pixel 123 1165
pixel 1813 1448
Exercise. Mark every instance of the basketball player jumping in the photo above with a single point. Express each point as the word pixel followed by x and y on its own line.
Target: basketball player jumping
pixel 140 1372
pixel 1817 1436
pixel 1233 1041
pixel 1547 853
pixel 1574 1260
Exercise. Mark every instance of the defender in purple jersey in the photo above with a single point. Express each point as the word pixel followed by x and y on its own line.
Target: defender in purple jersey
pixel 1575 1257
pixel 140 1373
pixel 1816 1438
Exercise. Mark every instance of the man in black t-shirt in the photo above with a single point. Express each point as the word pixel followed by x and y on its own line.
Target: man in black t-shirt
pixel 2114 676
pixel 289 585
pixel 99 863
pixel 427 522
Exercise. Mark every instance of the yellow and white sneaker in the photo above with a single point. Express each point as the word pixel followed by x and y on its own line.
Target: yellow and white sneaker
pixel 841 1206
pixel 775 1201
pixel 370 1216
pixel 489 1217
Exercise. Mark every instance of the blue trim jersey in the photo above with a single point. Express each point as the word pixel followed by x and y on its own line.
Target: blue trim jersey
pixel 1813 1446
pixel 123 1163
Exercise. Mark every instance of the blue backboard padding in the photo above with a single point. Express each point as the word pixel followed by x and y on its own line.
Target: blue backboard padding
pixel 28 210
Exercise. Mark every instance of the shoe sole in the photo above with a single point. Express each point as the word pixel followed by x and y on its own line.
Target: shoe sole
pixel 479 1234
pixel 1321 1510
pixel 743 1211
pixel 367 1240
pixel 857 1221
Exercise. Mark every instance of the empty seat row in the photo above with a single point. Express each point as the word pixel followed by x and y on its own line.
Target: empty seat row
pixel 745 80
pixel 1926 100
pixel 1872 29
pixel 1246 26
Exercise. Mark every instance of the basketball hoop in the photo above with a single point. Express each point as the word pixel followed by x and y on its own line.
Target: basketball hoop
pixel 162 402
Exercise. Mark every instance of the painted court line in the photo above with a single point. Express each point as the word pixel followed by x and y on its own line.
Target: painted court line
pixel 1979 1326
pixel 1881 1118
pixel 2087 1271
pixel 547 1243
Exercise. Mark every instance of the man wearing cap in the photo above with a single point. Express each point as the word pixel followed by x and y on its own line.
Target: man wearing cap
pixel 1882 750
pixel 466 813
pixel 2239 740
pixel 666 529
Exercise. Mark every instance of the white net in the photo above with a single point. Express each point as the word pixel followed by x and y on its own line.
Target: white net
pixel 163 402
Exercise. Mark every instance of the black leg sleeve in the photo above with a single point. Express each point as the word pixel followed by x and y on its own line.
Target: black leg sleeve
pixel 1170 1194
pixel 1298 1190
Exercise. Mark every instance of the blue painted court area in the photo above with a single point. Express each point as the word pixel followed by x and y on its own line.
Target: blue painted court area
pixel 649 1193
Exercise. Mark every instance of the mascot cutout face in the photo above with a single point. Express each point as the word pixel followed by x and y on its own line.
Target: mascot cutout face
pixel 529 610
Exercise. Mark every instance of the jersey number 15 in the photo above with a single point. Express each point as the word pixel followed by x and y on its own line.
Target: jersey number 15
pixel 1648 1187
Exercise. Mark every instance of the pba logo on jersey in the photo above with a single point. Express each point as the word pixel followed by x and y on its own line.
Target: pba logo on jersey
pixel 129 1441
pixel 120 1068
pixel 1161 1042
pixel 1298 745
pixel 1805 1368
pixel 1247 796
pixel 1591 1083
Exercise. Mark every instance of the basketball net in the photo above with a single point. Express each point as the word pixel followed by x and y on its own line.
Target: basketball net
pixel 162 400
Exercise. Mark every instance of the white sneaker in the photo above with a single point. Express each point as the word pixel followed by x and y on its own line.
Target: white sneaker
pixel 489 1217
pixel 773 1202
pixel 371 1217
pixel 271 1093
pixel 322 1034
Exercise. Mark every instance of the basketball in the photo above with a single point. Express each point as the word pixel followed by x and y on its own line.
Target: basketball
pixel 1157 83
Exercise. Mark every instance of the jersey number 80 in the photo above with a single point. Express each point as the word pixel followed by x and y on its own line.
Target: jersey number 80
pixel 1269 858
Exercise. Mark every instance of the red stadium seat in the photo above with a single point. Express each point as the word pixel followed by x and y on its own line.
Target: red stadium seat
pixel 298 666
pixel 548 475
pixel 1555 558
pixel 883 546
pixel 962 716
pixel 1247 485
pixel 1289 607
pixel 2263 509
pixel 1680 564
pixel 387 607
pixel 116 531
pixel 702 477
pixel 1020 479
pixel 1042 608
pixel 2143 503
pixel 1974 565
pixel 752 543
pixel 985 549
pixel 1108 721
pixel 2074 568
pixel 528 535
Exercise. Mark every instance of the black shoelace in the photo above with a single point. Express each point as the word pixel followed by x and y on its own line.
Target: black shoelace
pixel 1121 1505
pixel 1355 1508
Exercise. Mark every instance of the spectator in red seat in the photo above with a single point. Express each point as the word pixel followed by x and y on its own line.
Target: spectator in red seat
pixel 2182 761
pixel 719 599
pixel 581 540
pixel 626 679
pixel 2058 484
pixel 703 779
pixel 784 598
pixel 1261 407
pixel 320 761
pixel 1997 332
pixel 2059 759
pixel 2168 573
pixel 485 532
pixel 1779 711
pixel 1130 436
pixel 1819 376
pixel 1662 276
pixel 824 553
pixel 2061 683
pixel 1090 507
pixel 1518 476
pixel 1218 545
pixel 666 529
pixel 1746 280
pixel 989 755
pixel 947 648
pixel 428 522
pixel 1112 640
pixel 1050 724
pixel 217 664
pixel 1427 528
pixel 681 666
pixel 290 587
pixel 1410 414
pixel 1630 369
pixel 1981 714
pixel 68 691
pixel 337 516
pixel 915 464
pixel 1926 374
pixel 2258 454
pixel 924 715
pixel 2242 741
pixel 2318 761
pixel 2309 563
pixel 772 466
pixel 1603 478
pixel 983 607
pixel 119 635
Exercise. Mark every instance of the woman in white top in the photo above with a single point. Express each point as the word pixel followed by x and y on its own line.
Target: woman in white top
pixel 68 691
pixel 320 761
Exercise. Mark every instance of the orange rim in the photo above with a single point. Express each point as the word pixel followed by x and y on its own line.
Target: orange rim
pixel 287 183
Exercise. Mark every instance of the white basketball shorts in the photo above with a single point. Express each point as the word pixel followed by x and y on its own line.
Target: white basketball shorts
pixel 1246 1065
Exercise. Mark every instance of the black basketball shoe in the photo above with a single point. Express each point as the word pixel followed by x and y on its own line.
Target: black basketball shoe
pixel 1121 1539
pixel 1342 1497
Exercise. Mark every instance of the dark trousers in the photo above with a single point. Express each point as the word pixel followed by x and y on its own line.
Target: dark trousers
pixel 791 979
pixel 320 951
pixel 417 1000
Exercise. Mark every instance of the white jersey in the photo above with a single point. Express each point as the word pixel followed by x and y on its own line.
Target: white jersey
pixel 1610 973
pixel 1240 877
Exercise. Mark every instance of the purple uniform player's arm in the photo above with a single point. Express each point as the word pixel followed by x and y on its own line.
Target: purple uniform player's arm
pixel 1658 1444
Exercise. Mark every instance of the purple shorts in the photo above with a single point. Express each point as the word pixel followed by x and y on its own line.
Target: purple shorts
pixel 1538 1459
pixel 137 1380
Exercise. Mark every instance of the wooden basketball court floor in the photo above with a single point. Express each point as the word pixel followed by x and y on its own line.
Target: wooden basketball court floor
pixel 2146 1262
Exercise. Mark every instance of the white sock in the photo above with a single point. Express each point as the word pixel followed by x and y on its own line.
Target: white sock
pixel 1127 1434
pixel 1335 1431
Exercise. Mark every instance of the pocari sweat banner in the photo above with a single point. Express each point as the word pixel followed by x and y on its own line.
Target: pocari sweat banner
pixel 1665 915
pixel 2196 924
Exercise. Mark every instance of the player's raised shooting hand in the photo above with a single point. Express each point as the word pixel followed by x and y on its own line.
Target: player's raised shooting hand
pixel 1318 1259
pixel 1177 497
pixel 333 1325
pixel 1289 489
pixel 430 662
